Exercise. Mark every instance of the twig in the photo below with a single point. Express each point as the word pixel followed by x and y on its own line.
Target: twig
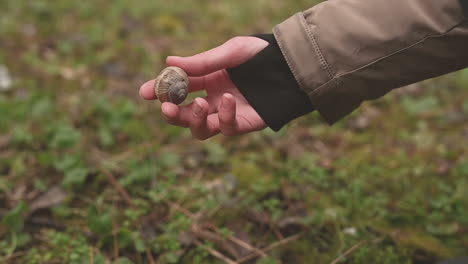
pixel 150 256
pixel 204 234
pixel 5 141
pixel 100 158
pixel 215 237
pixel 276 231
pixel 131 152
pixel 271 247
pixel 247 246
pixel 45 222
pixel 273 227
pixel 215 253
pixel 283 242
pixel 354 248
pixel 116 242
pixel 242 243
pixel 91 255
pixel 117 185
pixel 14 255
pixel 349 251
pixel 197 232
pixel 181 209
pixel 217 208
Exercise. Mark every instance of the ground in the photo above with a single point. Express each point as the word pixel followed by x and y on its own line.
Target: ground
pixel 90 173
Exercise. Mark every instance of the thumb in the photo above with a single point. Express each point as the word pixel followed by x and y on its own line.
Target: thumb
pixel 230 54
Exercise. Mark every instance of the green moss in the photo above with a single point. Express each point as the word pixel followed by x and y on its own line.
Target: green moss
pixel 74 120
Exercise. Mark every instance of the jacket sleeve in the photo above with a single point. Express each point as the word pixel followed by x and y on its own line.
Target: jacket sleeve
pixel 271 89
pixel 343 52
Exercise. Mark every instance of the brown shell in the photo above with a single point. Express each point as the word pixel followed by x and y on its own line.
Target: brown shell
pixel 172 85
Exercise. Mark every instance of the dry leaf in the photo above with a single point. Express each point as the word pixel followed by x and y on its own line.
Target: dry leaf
pixel 54 196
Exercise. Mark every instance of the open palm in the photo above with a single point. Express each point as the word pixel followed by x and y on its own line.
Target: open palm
pixel 224 109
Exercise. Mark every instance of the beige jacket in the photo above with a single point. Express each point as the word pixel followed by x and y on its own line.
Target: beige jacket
pixel 343 52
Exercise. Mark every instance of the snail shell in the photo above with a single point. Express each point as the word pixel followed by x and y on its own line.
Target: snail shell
pixel 172 85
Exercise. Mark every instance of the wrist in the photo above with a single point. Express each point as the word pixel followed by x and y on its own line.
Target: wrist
pixel 270 87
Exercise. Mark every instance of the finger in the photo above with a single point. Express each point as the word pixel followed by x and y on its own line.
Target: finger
pixel 147 90
pixel 197 83
pixel 227 115
pixel 199 125
pixel 208 82
pixel 230 54
pixel 171 113
pixel 182 116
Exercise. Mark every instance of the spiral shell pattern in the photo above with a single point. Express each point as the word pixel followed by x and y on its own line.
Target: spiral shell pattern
pixel 172 85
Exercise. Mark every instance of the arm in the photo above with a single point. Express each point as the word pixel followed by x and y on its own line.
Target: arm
pixel 331 58
pixel 343 52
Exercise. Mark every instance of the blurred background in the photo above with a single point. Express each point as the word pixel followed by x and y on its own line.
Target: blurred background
pixel 90 173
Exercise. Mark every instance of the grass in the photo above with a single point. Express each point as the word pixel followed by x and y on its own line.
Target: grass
pixel 90 173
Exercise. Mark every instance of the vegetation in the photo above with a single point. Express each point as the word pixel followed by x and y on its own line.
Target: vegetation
pixel 90 173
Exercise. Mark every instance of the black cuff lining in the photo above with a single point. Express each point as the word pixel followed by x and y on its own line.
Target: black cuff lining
pixel 268 84
pixel 464 4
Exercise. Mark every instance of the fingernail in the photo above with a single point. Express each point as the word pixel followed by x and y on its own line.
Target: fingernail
pixel 225 103
pixel 164 111
pixel 197 108
pixel 165 106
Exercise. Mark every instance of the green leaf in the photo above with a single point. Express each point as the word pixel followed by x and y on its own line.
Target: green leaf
pixel 99 223
pixel 463 78
pixel 124 260
pixel 64 137
pixel 75 176
pixel 169 160
pixel 23 239
pixel 139 172
pixel 99 259
pixel 66 162
pixel 42 108
pixel 14 219
pixel 268 260
pixel 419 105
pixel 124 238
pixel 21 135
pixel 216 153
pixel 138 243
pixel 106 138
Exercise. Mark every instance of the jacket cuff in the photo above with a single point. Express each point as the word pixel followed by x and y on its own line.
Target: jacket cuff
pixel 267 83
pixel 299 48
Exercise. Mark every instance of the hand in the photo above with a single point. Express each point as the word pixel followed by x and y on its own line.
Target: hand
pixel 224 109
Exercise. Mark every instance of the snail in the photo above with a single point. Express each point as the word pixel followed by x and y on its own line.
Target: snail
pixel 172 85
